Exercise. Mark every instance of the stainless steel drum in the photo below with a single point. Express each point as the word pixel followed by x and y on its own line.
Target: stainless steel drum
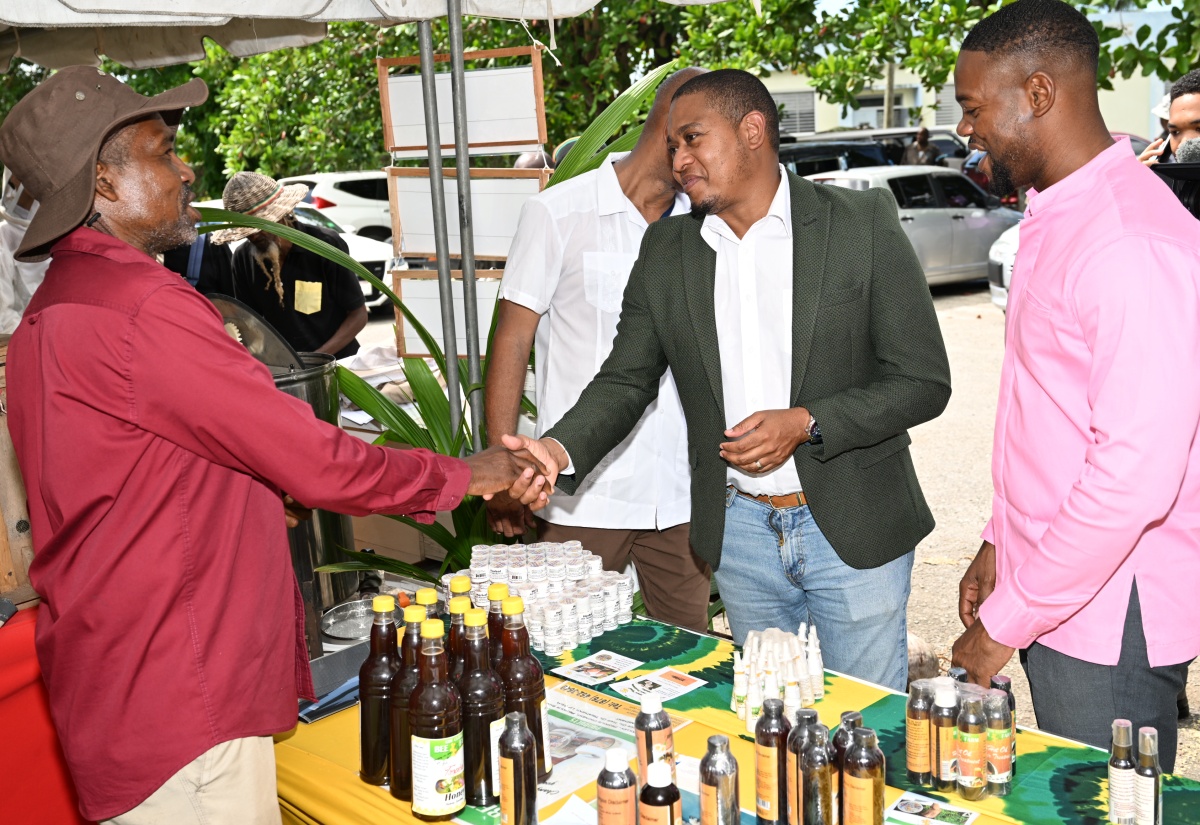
pixel 316 542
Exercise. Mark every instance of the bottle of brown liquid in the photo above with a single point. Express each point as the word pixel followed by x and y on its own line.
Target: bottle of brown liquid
pixel 659 802
pixel 435 714
pixel 944 736
pixel 375 692
pixel 455 642
pixel 404 682
pixel 916 732
pixel 818 767
pixel 1002 682
pixel 862 780
pixel 617 790
pixel 842 738
pixel 427 598
pixel 482 693
pixel 524 682
pixel 497 593
pixel 518 773
pixel 655 738
pixel 971 751
pixel 719 801
pixel 999 748
pixel 798 739
pixel 770 764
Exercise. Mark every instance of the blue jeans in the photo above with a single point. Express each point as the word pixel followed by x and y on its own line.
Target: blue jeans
pixel 778 570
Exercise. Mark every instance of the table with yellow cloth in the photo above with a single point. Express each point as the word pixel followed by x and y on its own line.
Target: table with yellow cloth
pixel 1057 780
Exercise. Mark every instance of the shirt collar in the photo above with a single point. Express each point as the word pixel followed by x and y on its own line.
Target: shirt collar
pixel 611 198
pixel 94 242
pixel 780 210
pixel 1081 180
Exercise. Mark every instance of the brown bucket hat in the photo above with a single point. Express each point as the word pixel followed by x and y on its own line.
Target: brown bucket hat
pixel 51 138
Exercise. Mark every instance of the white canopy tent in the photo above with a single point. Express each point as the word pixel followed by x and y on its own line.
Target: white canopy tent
pixel 151 33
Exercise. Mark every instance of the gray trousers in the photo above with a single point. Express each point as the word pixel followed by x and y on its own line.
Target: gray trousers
pixel 1080 700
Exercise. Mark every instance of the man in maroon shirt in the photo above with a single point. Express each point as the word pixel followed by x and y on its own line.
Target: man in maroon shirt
pixel 156 452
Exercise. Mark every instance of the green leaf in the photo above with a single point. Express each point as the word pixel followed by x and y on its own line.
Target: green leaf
pixel 435 531
pixel 393 419
pixel 431 403
pixel 368 562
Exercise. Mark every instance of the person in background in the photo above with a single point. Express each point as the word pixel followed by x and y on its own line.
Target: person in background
pixel 561 151
pixel 316 305
pixel 921 152
pixel 569 262
pixel 1183 120
pixel 205 265
pixel 1090 560
pixel 18 279
pixel 534 160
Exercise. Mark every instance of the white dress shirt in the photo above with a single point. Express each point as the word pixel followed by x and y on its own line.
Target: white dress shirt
pixel 753 300
pixel 569 261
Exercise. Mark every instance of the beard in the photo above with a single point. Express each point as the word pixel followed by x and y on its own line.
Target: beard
pixel 181 232
pixel 1013 165
pixel 269 259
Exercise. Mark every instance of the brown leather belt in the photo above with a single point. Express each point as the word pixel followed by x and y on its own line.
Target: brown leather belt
pixel 779 502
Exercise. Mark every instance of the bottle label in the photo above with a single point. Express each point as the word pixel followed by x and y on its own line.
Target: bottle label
pixel 709 815
pixel 999 755
pixel 1147 799
pixel 1120 796
pixel 439 786
pixel 860 804
pixel 655 746
pixel 971 759
pixel 766 782
pixel 835 785
pixel 508 792
pixel 795 786
pixel 660 814
pixel 617 806
pixel 495 730
pixel 916 737
pixel 944 761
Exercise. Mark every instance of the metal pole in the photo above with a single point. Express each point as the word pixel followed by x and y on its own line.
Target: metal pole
pixel 441 238
pixel 466 228
pixel 889 90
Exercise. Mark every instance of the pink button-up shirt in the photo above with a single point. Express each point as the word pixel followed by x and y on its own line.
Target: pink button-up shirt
pixel 1096 467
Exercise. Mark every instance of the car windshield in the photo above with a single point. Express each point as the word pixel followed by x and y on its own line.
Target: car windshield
pixel 311 217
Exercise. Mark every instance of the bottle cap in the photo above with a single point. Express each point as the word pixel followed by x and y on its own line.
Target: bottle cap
pixel 460 604
pixel 432 629
pixel 958 674
pixel 426 596
pixel 651 704
pixel 806 717
pixel 772 707
pixel 616 760
pixel 475 618
pixel 1001 682
pixel 718 742
pixel 945 697
pixel 383 604
pixel 498 591
pixel 864 737
pixel 460 584
pixel 658 775
pixel 1122 732
pixel 512 606
pixel 415 614
pixel 1148 741
pixel 851 719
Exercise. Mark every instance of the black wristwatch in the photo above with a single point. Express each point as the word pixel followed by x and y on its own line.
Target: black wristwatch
pixel 813 430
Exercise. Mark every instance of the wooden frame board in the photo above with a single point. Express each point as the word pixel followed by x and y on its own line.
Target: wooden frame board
pixel 422 298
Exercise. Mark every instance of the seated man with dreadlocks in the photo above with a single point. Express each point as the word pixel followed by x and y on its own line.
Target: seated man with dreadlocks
pixel 315 304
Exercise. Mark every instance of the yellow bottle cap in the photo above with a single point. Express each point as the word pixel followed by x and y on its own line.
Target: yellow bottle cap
pixel 426 596
pixel 415 614
pixel 383 604
pixel 460 604
pixel 512 606
pixel 432 629
pixel 475 618
pixel 497 591
pixel 460 584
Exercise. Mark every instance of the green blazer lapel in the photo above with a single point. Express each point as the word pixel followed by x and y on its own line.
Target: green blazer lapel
pixel 699 280
pixel 810 237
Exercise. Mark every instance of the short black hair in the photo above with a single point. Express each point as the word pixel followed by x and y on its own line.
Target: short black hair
pixel 1189 84
pixel 1043 28
pixel 735 94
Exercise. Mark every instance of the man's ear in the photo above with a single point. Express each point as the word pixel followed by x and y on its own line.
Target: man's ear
pixel 1040 91
pixel 104 184
pixel 754 129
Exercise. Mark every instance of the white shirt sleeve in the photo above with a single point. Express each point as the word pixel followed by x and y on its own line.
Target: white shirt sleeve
pixel 534 264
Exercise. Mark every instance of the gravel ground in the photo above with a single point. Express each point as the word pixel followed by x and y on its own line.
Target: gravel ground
pixel 953 459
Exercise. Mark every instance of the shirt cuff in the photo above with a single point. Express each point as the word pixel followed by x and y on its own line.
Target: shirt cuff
pixel 456 477
pixel 1009 621
pixel 569 470
pixel 988 535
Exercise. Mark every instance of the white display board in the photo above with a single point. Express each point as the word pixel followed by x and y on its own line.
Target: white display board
pixel 423 300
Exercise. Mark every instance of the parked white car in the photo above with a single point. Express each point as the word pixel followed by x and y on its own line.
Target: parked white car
pixel 950 221
pixel 353 199
pixel 1001 258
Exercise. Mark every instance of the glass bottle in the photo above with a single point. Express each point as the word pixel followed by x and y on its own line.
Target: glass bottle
pixel 944 737
pixel 375 692
pixel 524 682
pixel 497 593
pixel 659 802
pixel 770 764
pixel 435 715
pixel 999 748
pixel 404 682
pixel 719 799
pixel 862 780
pixel 655 739
pixel 482 693
pixel 617 790
pixel 818 767
pixel 1002 682
pixel 1120 774
pixel 1147 780
pixel 427 598
pixel 518 773
pixel 958 674
pixel 842 738
pixel 916 732
pixel 798 739
pixel 971 750
pixel 457 606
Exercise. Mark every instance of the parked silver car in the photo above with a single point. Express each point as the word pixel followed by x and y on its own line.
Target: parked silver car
pixel 950 221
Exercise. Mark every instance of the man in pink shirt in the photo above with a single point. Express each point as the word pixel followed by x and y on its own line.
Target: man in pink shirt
pixel 1091 560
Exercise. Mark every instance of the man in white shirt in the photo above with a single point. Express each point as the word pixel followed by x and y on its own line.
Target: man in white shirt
pixel 797 323
pixel 567 270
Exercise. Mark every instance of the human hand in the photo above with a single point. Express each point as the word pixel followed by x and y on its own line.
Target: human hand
pixel 1150 154
pixel 547 453
pixel 294 513
pixel 497 469
pixel 977 583
pixel 766 439
pixel 980 654
pixel 508 516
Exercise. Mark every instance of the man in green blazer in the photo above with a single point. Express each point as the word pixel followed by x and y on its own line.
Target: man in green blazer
pixel 800 331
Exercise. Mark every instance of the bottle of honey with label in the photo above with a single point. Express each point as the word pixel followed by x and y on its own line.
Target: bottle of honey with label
pixel 482 694
pixel 659 802
pixel 518 773
pixel 524 682
pixel 719 800
pixel 375 692
pixel 655 739
pixel 972 748
pixel 617 790
pixel 455 642
pixel 862 780
pixel 917 744
pixel 770 764
pixel 798 739
pixel 435 715
pixel 404 682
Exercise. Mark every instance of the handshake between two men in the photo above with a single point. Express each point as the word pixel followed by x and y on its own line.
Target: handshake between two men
pixel 520 468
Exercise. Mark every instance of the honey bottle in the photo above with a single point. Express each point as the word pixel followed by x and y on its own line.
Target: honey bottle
pixel 842 738
pixel 818 767
pixel 457 606
pixel 770 764
pixel 917 743
pixel 798 739
pixel 518 773
pixel 435 715
pixel 427 598
pixel 482 693
pixel 404 682
pixel 375 692
pixel 862 780
pixel 524 682
pixel 497 593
